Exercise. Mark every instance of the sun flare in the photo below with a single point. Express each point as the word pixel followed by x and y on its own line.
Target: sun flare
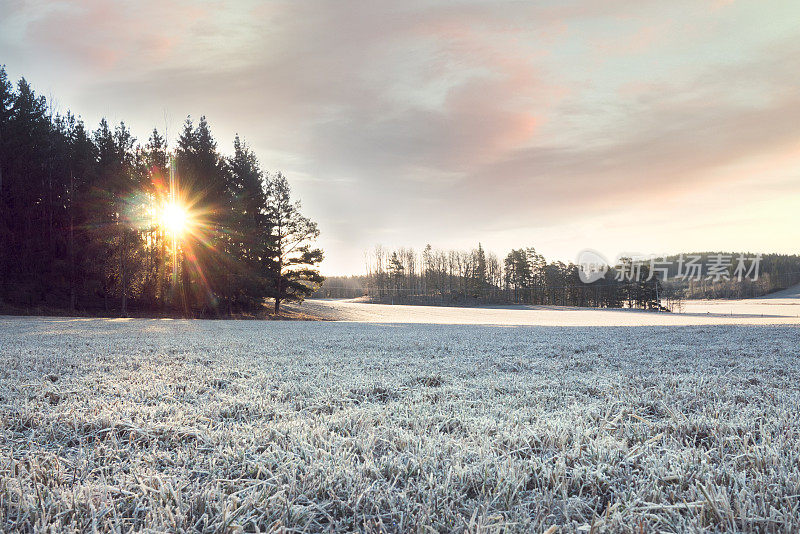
pixel 174 218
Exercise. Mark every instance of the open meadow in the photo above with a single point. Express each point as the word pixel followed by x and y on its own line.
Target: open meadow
pixel 694 312
pixel 338 426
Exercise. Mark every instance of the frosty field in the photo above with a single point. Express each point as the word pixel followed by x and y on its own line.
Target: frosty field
pixel 694 312
pixel 339 426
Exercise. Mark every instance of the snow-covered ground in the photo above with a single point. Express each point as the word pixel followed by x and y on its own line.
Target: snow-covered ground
pixel 783 304
pixel 706 312
pixel 172 425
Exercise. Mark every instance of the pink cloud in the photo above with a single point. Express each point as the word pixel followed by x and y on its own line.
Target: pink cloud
pixel 104 35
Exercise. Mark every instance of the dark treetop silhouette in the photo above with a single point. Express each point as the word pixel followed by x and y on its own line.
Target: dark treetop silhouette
pixel 95 221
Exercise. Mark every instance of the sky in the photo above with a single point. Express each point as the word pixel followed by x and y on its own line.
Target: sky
pixel 622 126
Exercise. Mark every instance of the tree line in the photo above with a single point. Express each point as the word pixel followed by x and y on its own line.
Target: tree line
pixel 524 276
pixel 461 277
pixel 94 221
pixel 775 272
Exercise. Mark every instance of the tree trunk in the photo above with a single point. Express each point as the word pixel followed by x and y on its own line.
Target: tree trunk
pixel 185 289
pixel 162 270
pixel 71 243
pixel 278 292
pixel 124 272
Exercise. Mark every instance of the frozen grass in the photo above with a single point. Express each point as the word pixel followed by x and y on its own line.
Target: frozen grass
pixel 222 425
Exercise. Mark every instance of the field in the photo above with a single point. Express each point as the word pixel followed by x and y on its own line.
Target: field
pixel 698 312
pixel 338 426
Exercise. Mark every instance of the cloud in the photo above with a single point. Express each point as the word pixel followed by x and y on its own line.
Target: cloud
pixel 410 119
pixel 671 139
pixel 101 35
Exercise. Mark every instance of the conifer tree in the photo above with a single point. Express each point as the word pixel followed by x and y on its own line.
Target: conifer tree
pixel 251 240
pixel 292 264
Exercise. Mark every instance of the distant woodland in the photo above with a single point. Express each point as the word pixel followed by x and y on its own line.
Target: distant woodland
pixel 524 276
pixel 95 221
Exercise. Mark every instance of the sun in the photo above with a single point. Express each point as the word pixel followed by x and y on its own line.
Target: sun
pixel 174 218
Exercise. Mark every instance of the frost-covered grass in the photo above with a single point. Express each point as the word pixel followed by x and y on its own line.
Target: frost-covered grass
pixel 223 425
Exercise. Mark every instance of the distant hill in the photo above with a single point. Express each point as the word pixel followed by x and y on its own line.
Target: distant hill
pixel 788 293
pixel 776 272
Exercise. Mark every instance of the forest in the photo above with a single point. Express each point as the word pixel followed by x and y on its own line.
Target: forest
pixel 97 222
pixel 459 277
pixel 524 276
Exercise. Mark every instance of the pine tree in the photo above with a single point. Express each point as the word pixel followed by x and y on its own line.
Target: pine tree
pixel 7 98
pixel 203 177
pixel 80 213
pixel 117 183
pixel 6 101
pixel 396 273
pixel 480 272
pixel 250 228
pixel 24 191
pixel 151 176
pixel 291 267
pixel 82 176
